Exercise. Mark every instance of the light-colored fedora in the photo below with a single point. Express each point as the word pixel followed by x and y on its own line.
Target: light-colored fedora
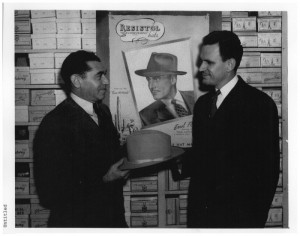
pixel 161 64
pixel 147 148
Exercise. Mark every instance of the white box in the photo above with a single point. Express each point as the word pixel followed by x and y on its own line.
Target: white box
pixel 269 13
pixel 42 13
pixel 88 26
pixel 67 14
pixel 41 60
pixel 269 24
pixel 68 26
pixel 269 39
pixel 23 40
pixel 42 76
pixel 37 113
pixel 22 97
pixel 244 24
pixel 248 41
pixel 22 222
pixel 22 25
pixel 59 59
pixel 43 41
pixel 60 96
pixel 275 215
pixel 270 59
pixel 43 26
pixel 250 61
pixel 21 114
pixel 21 187
pixel 22 75
pixel 42 97
pixel 226 26
pixel 21 149
pixel 68 41
pixel 89 42
pixel 58 78
pixel 251 77
pixel 88 14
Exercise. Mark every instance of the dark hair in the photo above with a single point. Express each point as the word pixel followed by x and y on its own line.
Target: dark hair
pixel 229 45
pixel 76 63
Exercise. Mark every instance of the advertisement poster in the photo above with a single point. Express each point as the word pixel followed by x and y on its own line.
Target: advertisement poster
pixel 143 49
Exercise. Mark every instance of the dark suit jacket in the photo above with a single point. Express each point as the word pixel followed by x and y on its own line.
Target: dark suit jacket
pixel 234 165
pixel 72 154
pixel 157 112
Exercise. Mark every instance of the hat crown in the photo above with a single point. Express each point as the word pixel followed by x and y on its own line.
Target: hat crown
pixel 147 145
pixel 162 62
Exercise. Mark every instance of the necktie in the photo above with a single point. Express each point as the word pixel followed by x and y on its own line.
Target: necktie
pixel 102 117
pixel 180 110
pixel 214 103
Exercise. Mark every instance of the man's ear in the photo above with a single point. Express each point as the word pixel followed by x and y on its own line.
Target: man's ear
pixel 76 81
pixel 230 64
pixel 173 79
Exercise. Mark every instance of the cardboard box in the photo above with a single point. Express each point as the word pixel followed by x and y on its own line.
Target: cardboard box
pixel 21 97
pixel 22 26
pixel 270 59
pixel 126 186
pixel 43 41
pixel 22 222
pixel 172 185
pixel 182 217
pixel 143 204
pixel 22 13
pixel 60 96
pixel 248 41
pixel 269 13
pixel 275 215
pixel 277 200
pixel 226 26
pixel 271 77
pixel 89 42
pixel 251 77
pixel 269 24
pixel 22 75
pixel 88 14
pixel 171 211
pixel 22 188
pixel 250 61
pixel 67 14
pixel 59 59
pixel 39 223
pixel 68 41
pixel 58 78
pixel 275 94
pixel 21 132
pixel 146 185
pixel 184 184
pixel 68 26
pixel 21 149
pixel 269 39
pixel 42 76
pixel 37 113
pixel 37 209
pixel 23 40
pixel 32 130
pixel 41 60
pixel 144 220
pixel 244 24
pixel 22 209
pixel 88 26
pixel 183 201
pixel 21 114
pixel 44 26
pixel 43 97
pixel 42 13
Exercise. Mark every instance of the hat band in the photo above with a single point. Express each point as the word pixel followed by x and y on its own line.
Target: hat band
pixel 148 160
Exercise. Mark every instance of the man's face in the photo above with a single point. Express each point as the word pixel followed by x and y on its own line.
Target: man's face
pixel 213 70
pixel 162 86
pixel 93 86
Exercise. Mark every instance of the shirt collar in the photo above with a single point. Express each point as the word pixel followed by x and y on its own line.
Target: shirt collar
pixel 84 104
pixel 229 86
pixel 177 97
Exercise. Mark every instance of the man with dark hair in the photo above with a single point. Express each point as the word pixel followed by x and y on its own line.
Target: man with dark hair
pixel 170 103
pixel 77 153
pixel 234 159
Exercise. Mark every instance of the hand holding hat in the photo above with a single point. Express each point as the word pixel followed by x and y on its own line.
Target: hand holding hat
pixel 147 148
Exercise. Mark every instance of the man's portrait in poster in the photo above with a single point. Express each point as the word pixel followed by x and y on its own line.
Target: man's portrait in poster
pixel 161 81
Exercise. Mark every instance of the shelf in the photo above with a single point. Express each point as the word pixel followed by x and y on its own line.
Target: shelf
pixel 139 193
pixel 266 85
pixel 24 160
pixel 170 192
pixel 28 123
pixel 38 86
pixel 45 50
pixel 25 196
pixel 262 49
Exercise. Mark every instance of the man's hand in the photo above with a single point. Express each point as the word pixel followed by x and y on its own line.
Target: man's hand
pixel 114 173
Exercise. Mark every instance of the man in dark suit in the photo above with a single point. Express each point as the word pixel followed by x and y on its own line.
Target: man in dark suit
pixel 234 160
pixel 77 152
pixel 161 74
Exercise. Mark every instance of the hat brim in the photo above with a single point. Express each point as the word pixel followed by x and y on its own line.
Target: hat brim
pixel 127 165
pixel 149 73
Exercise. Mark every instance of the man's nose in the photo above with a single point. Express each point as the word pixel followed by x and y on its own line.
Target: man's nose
pixel 104 80
pixel 202 67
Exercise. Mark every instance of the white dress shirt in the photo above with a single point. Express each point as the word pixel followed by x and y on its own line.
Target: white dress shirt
pixel 225 90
